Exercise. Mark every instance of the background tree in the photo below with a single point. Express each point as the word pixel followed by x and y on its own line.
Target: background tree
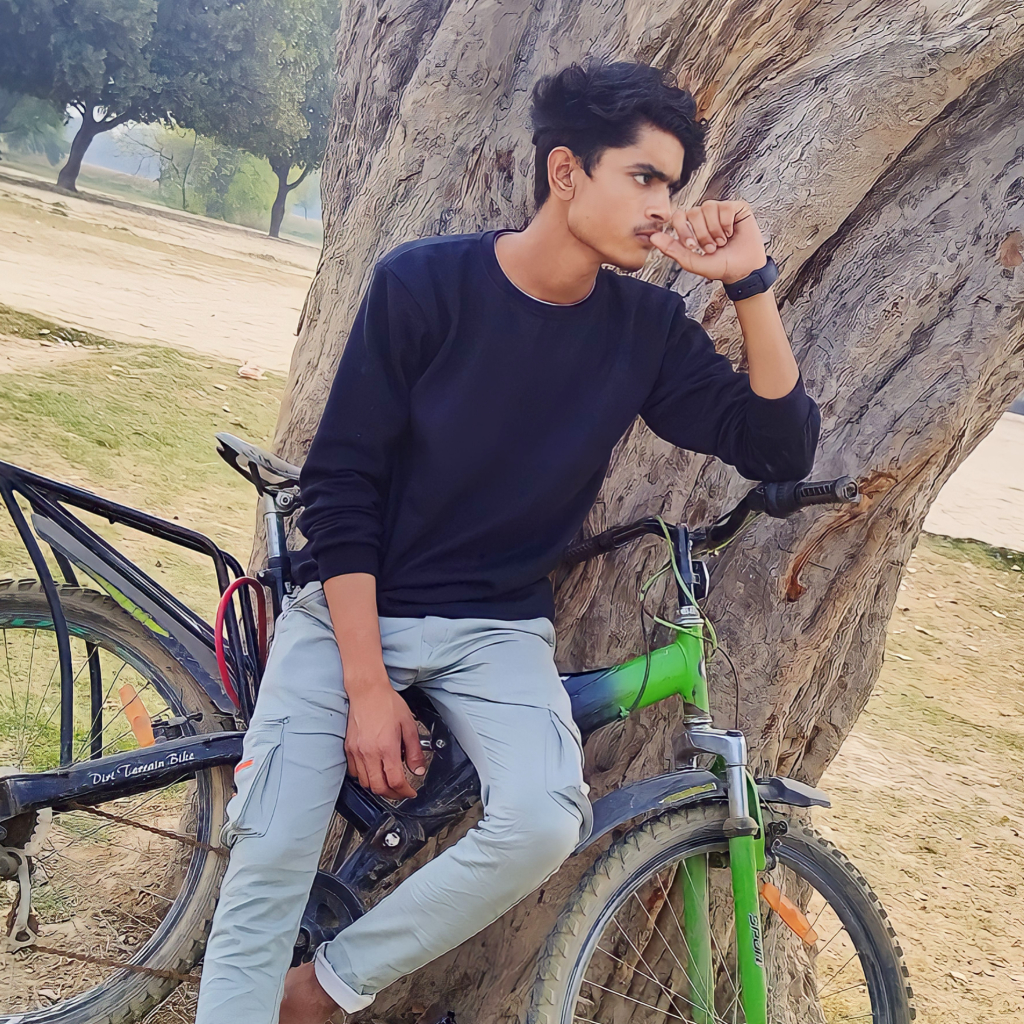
pixel 92 56
pixel 148 60
pixel 289 124
pixel 31 125
pixel 881 147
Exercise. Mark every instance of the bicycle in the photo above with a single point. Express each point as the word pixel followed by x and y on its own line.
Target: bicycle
pixel 707 902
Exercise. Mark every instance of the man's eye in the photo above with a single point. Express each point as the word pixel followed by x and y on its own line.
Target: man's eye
pixel 642 174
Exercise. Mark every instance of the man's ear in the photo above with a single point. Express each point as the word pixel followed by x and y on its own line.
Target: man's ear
pixel 561 163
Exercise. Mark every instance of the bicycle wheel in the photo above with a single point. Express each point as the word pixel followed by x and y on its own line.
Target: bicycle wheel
pixel 619 951
pixel 104 891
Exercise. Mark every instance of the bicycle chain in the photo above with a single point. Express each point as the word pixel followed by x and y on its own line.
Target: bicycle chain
pixel 221 851
pixel 99 961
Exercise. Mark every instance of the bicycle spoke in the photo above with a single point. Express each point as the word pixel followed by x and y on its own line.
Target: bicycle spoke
pixel 39 707
pixel 99 713
pixel 28 683
pixel 711 931
pixel 821 991
pixel 689 954
pixel 49 718
pixel 672 995
pixel 638 1002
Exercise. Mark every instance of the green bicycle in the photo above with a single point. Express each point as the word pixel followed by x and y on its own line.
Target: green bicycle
pixel 720 911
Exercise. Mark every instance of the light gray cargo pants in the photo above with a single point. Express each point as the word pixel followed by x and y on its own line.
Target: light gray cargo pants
pixel 495 684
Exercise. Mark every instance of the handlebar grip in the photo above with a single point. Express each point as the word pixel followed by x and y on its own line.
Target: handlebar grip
pixel 783 499
pixel 843 491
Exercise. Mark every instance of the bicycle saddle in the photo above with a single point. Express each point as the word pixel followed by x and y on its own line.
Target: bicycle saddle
pixel 274 474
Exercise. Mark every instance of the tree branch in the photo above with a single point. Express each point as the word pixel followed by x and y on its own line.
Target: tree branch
pixel 300 179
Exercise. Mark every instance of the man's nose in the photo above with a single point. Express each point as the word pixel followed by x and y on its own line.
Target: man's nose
pixel 660 213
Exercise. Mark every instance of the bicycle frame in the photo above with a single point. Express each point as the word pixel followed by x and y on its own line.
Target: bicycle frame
pixel 678 668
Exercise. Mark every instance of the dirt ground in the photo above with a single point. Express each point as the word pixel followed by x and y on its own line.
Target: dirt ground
pixel 134 272
pixel 984 498
pixel 928 788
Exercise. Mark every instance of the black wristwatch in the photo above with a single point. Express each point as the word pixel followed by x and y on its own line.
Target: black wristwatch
pixel 754 283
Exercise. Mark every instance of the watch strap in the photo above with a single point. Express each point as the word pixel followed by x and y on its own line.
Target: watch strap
pixel 757 281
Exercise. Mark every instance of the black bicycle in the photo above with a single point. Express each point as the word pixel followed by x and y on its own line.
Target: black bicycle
pixel 122 712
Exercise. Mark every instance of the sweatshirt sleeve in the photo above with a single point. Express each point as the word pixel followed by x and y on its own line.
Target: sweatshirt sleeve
pixel 699 402
pixel 345 476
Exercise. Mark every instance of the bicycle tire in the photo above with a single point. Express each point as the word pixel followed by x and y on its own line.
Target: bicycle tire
pixel 125 996
pixel 655 845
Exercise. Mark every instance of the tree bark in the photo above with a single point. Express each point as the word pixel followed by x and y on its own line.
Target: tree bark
pixel 881 148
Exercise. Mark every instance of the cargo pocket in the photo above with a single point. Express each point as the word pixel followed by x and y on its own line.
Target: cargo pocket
pixel 257 781
pixel 564 761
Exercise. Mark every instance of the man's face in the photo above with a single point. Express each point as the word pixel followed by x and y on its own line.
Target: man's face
pixel 626 198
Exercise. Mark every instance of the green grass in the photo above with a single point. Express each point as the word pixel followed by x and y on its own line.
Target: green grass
pixel 981 554
pixel 134 423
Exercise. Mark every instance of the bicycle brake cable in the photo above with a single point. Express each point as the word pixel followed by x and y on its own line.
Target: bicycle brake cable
pixel 710 636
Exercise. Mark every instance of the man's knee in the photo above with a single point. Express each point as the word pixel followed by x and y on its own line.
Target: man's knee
pixel 538 838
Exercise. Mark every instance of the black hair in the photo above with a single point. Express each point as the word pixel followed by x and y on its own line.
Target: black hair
pixel 599 105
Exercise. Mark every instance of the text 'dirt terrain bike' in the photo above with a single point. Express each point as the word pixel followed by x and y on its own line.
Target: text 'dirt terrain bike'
pixel 121 715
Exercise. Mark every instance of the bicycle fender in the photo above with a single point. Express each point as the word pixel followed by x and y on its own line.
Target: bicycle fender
pixel 779 790
pixel 673 789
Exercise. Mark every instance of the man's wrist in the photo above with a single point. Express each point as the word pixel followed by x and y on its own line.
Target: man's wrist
pixel 733 278
pixel 363 682
pixel 757 281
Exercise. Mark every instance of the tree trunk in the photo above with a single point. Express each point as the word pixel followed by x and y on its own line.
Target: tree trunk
pixel 90 128
pixel 281 170
pixel 881 148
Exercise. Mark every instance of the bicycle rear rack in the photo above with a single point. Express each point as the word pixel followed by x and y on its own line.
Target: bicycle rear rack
pixel 188 638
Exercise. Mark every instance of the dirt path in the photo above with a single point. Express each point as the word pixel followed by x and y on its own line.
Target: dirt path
pixel 984 498
pixel 929 786
pixel 136 274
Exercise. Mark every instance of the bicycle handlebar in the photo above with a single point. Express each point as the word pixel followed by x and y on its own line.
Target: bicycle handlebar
pixel 775 499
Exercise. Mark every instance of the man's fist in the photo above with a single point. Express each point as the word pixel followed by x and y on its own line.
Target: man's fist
pixel 717 240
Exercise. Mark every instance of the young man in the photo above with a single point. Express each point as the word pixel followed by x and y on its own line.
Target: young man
pixel 485 381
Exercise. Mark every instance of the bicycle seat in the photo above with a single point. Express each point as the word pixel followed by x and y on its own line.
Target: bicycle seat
pixel 274 474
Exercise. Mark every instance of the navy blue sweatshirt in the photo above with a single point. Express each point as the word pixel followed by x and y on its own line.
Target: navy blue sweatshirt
pixel 469 426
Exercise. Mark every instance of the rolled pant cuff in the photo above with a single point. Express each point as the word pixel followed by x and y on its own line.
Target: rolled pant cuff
pixel 340 991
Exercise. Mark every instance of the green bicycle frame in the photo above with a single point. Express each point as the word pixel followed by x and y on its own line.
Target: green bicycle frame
pixel 678 668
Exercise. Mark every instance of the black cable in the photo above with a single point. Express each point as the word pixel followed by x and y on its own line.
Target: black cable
pixel 647 650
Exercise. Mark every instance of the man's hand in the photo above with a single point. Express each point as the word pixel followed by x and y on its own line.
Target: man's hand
pixel 717 240
pixel 380 728
pixel 380 724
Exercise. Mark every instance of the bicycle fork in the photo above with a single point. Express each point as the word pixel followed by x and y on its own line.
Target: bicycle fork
pixel 746 858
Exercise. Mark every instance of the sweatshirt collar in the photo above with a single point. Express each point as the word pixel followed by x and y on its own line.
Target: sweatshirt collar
pixel 554 310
